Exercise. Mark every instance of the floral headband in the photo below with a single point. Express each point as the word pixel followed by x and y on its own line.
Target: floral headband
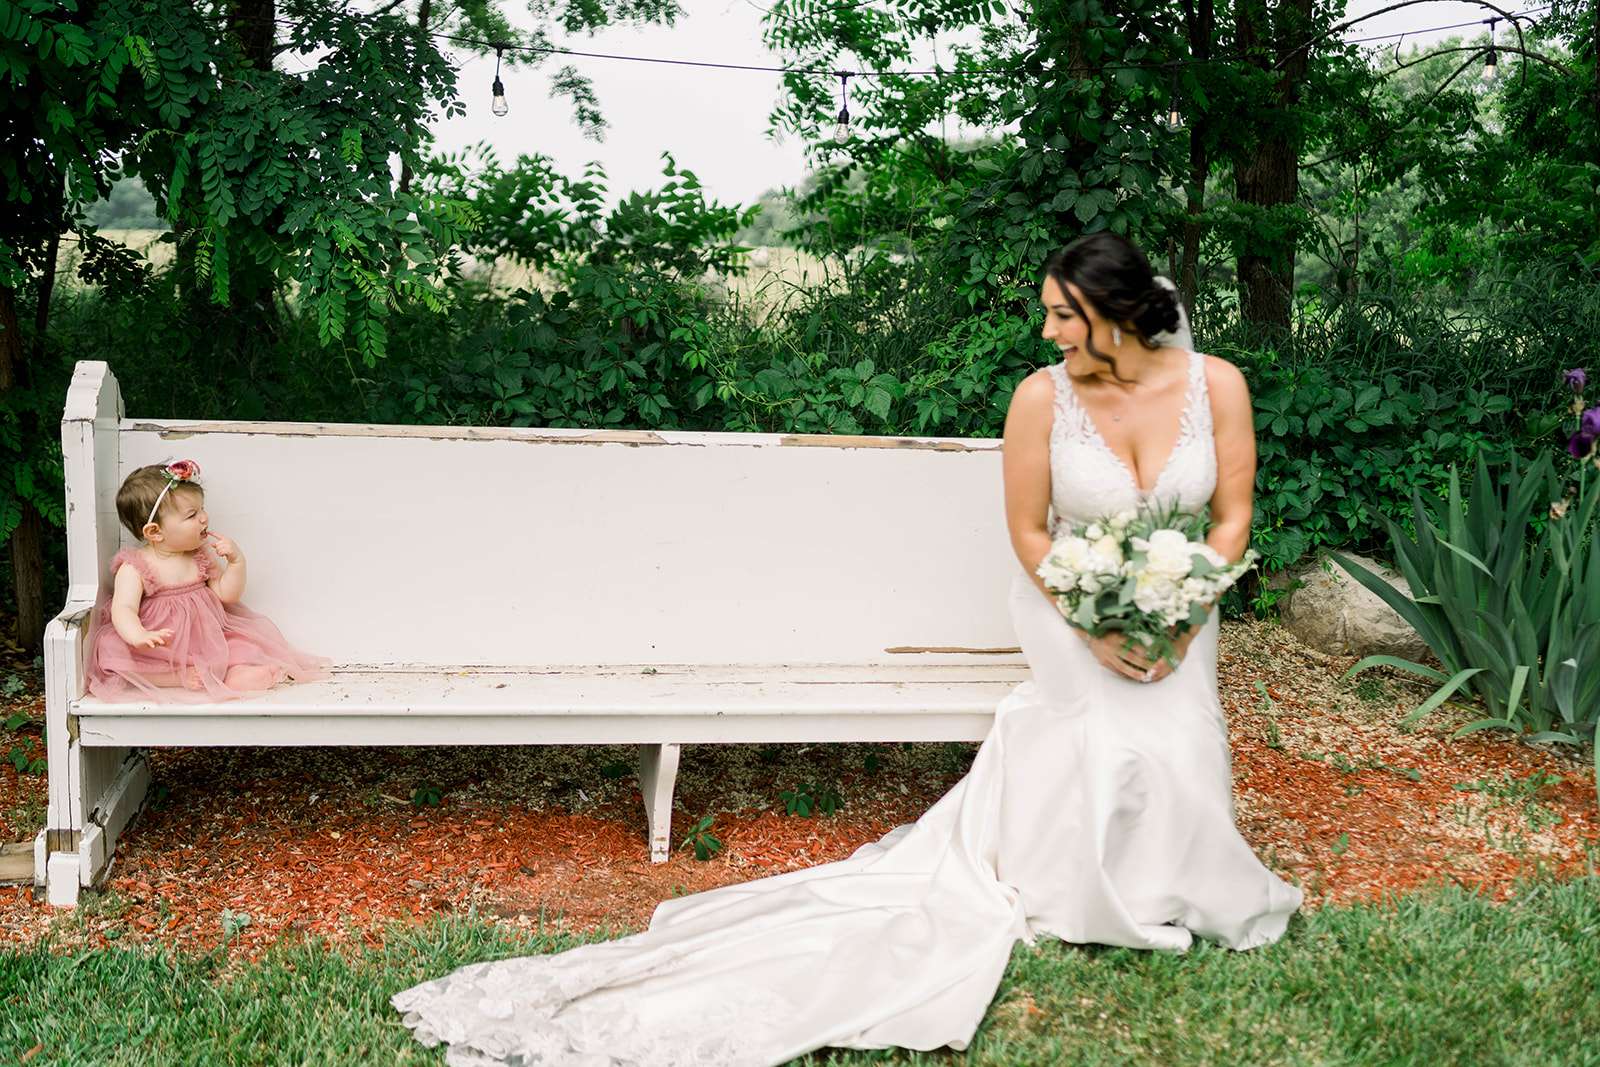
pixel 179 470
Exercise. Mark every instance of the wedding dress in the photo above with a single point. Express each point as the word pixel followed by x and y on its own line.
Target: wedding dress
pixel 1098 809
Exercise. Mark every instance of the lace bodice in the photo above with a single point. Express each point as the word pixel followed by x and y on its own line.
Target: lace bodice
pixel 1088 481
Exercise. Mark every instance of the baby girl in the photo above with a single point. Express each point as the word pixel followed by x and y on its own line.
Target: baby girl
pixel 174 629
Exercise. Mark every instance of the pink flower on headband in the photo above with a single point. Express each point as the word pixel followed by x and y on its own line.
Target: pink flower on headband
pixel 184 470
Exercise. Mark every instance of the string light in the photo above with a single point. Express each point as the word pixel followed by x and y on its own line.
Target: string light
pixel 499 106
pixel 1174 114
pixel 841 132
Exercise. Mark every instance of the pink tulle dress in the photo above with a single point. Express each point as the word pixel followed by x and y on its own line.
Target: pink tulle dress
pixel 209 638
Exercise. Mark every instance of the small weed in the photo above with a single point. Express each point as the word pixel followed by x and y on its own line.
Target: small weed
pixel 809 799
pixel 233 921
pixel 1341 846
pixel 426 795
pixel 1370 690
pixel 1522 794
pixel 1269 708
pixel 11 688
pixel 1508 787
pixel 1410 773
pixel 797 801
pixel 1274 738
pixel 27 815
pixel 704 842
pixel 26 759
pixel 108 905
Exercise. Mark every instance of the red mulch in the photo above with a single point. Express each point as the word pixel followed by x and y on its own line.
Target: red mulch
pixel 325 842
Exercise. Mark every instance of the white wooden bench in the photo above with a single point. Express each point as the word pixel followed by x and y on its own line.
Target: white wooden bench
pixel 537 586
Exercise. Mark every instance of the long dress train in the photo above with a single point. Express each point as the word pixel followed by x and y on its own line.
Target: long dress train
pixel 1098 809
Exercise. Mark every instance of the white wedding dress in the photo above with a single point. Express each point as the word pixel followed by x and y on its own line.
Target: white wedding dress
pixel 1098 809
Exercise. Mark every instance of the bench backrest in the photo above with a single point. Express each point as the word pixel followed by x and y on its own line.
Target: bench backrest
pixel 513 547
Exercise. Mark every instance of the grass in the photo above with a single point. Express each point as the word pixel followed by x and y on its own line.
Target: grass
pixel 1443 977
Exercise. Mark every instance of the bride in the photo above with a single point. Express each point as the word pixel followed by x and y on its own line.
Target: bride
pixel 1098 809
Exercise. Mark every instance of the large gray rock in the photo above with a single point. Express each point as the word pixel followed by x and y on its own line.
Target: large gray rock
pixel 1332 612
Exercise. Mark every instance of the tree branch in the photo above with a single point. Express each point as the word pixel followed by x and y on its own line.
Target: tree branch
pixel 1504 14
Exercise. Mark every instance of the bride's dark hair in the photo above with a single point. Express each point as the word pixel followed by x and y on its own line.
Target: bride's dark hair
pixel 1115 276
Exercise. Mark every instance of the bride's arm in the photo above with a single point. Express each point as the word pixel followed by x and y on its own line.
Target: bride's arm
pixel 1026 464
pixel 1233 502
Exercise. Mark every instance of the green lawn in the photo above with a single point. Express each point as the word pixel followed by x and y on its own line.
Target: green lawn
pixel 1440 978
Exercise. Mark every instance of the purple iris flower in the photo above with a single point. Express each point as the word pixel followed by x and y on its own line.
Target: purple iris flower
pixel 1589 422
pixel 1578 444
pixel 1577 378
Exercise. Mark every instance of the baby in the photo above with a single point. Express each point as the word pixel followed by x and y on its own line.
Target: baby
pixel 174 629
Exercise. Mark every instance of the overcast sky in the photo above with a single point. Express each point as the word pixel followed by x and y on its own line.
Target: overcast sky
pixel 715 121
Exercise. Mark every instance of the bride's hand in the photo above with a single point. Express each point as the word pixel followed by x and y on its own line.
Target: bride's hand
pixel 1128 658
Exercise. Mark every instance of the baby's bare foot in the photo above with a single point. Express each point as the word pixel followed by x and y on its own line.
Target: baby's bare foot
pixel 251 677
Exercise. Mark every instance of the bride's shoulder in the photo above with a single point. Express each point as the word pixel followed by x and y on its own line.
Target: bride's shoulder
pixel 1037 388
pixel 1220 374
pixel 1032 404
pixel 1226 385
pixel 1035 394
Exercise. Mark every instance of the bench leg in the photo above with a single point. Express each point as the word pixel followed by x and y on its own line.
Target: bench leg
pixel 658 771
pixel 93 792
pixel 104 791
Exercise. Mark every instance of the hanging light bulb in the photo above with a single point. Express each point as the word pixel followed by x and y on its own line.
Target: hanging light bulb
pixel 841 131
pixel 1490 65
pixel 499 106
pixel 1174 114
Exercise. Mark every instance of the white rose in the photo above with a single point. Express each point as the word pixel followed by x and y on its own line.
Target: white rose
pixel 1168 554
pixel 1094 532
pixel 1109 549
pixel 1073 552
pixel 1153 592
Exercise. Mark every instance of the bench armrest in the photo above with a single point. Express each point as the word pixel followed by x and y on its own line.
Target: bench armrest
pixel 65 639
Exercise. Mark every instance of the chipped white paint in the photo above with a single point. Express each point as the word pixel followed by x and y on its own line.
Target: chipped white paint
pixel 645 587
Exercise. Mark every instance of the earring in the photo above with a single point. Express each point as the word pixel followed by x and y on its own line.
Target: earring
pixel 1116 335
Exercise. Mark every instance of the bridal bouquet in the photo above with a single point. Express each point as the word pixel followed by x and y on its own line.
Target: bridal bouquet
pixel 1148 575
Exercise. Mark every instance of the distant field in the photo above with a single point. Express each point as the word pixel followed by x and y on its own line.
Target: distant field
pixel 787 269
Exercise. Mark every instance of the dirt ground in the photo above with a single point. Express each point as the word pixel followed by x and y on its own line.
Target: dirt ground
pixel 252 845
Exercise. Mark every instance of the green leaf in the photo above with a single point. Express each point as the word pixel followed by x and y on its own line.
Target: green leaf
pixel 1484 724
pixel 1444 693
pixel 1396 662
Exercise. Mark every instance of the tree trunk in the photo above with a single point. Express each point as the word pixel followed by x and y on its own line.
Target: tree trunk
pixel 1267 170
pixel 26 543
